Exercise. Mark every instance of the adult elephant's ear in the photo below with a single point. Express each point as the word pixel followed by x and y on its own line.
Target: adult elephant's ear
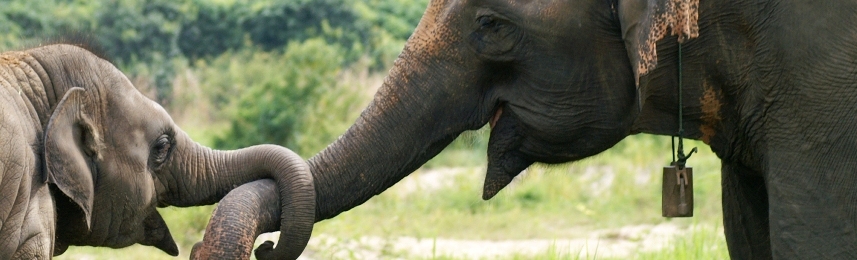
pixel 644 22
pixel 71 144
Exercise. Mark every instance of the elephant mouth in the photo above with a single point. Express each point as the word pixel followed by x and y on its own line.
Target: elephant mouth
pixel 497 112
pixel 505 159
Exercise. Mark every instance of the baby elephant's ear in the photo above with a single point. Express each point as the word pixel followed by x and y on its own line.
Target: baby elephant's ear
pixel 644 22
pixel 71 145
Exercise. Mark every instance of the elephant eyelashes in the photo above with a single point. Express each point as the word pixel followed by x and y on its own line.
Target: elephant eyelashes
pixel 486 22
pixel 161 149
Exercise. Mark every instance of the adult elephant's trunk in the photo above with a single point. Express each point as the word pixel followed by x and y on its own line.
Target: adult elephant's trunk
pixel 423 105
pixel 371 156
pixel 204 176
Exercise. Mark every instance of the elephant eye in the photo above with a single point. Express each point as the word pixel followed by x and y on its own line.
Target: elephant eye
pixel 486 22
pixel 161 149
pixel 496 37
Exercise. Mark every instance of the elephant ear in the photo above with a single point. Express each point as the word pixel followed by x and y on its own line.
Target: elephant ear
pixel 71 145
pixel 644 22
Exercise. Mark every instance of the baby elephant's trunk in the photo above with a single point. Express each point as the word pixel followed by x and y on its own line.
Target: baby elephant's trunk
pixel 242 215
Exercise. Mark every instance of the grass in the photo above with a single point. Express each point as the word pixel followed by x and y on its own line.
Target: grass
pixel 702 243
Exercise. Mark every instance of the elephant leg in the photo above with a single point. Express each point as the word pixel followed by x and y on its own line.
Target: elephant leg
pixel 745 213
pixel 27 210
pixel 812 212
pixel 37 228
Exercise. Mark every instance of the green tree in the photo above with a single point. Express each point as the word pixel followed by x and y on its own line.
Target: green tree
pixel 133 30
pixel 274 23
pixel 212 28
pixel 272 97
pixel 23 22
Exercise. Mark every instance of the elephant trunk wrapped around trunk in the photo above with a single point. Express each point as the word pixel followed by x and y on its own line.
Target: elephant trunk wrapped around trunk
pixel 210 174
pixel 240 217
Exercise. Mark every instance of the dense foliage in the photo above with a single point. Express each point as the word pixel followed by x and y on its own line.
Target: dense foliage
pixel 267 68
pixel 143 30
pixel 280 98
pixel 153 31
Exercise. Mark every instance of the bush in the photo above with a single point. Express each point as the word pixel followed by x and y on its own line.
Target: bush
pixel 23 21
pixel 212 28
pixel 149 36
pixel 132 30
pixel 275 23
pixel 290 99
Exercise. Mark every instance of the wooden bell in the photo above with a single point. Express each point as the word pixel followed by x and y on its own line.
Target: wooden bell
pixel 677 193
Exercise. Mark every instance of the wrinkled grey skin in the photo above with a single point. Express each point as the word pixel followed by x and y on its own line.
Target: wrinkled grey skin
pixel 240 217
pixel 771 86
pixel 85 158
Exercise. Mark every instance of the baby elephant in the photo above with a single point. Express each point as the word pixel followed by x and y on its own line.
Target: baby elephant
pixel 241 216
pixel 85 158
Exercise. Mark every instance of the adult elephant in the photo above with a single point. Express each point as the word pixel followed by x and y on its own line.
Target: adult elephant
pixel 86 158
pixel 770 86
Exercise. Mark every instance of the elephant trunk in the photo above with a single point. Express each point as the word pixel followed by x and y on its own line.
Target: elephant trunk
pixel 241 216
pixel 409 121
pixel 204 176
pixel 362 164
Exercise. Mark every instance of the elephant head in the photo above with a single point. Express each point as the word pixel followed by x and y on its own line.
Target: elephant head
pixel 112 156
pixel 768 85
pixel 554 79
